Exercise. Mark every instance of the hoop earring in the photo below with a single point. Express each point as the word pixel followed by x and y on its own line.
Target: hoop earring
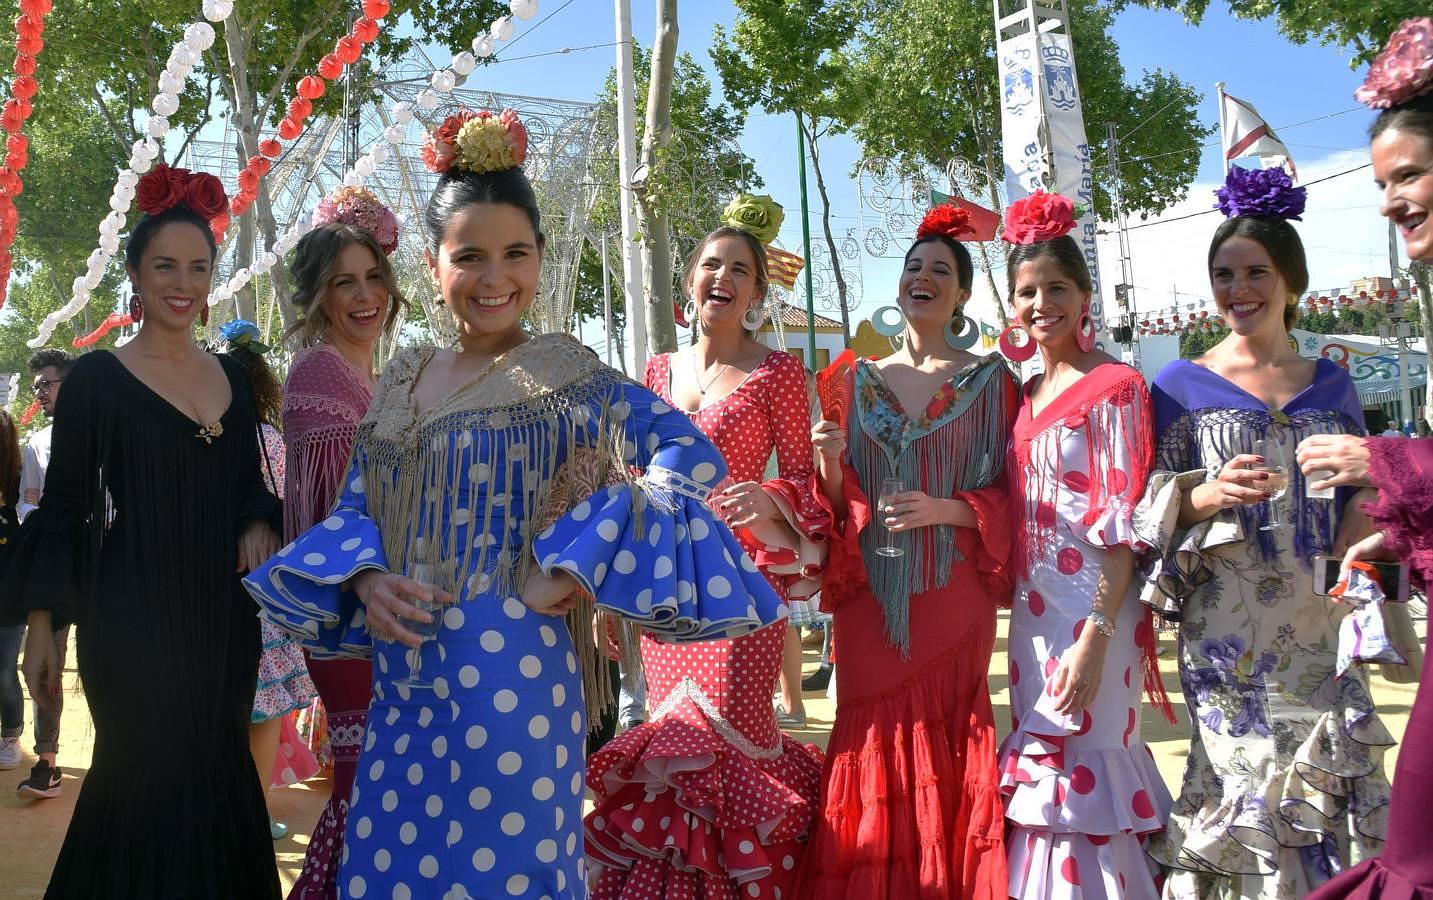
pixel 969 333
pixel 1012 351
pixel 881 324
pixel 204 315
pixel 691 312
pixel 746 321
pixel 1085 331
pixel 136 308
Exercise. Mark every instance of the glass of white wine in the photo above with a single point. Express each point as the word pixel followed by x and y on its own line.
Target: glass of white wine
pixel 429 576
pixel 889 488
pixel 1276 484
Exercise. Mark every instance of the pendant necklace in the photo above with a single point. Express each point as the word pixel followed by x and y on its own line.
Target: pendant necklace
pixel 697 375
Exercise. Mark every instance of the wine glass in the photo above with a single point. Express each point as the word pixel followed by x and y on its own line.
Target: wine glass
pixel 889 488
pixel 429 576
pixel 1276 467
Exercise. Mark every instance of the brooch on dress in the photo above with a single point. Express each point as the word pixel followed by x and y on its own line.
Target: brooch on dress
pixel 209 432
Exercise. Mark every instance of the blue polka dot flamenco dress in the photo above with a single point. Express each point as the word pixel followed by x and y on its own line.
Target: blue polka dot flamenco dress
pixel 472 788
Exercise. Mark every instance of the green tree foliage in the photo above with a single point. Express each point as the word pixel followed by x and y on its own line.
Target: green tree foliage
pixel 931 90
pixel 791 56
pixel 1356 24
pixel 697 175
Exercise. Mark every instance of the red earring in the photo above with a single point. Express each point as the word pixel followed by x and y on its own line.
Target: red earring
pixel 204 315
pixel 1013 351
pixel 136 308
pixel 1085 331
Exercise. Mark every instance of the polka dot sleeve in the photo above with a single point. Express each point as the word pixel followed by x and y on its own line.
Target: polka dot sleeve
pixel 651 551
pixel 1120 430
pixel 301 588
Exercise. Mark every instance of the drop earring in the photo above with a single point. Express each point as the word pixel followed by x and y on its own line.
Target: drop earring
pixel 1085 330
pixel 969 333
pixel 136 308
pixel 204 315
pixel 690 311
pixel 750 323
pixel 1016 352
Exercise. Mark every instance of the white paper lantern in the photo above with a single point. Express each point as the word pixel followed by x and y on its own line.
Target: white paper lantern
pixel 166 104
pixel 502 28
pixel 157 126
pixel 444 80
pixel 523 9
pixel 109 243
pixel 118 204
pixel 463 63
pixel 199 37
pixel 241 277
pixel 484 45
pixel 427 100
pixel 217 10
pixel 181 55
pixel 364 166
pixel 402 112
pixel 128 178
pixel 168 84
pixel 269 259
pixel 379 152
pixel 393 134
pixel 92 280
pixel 352 179
pixel 124 192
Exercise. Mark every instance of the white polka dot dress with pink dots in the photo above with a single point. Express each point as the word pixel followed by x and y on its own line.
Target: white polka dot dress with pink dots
pixel 1081 790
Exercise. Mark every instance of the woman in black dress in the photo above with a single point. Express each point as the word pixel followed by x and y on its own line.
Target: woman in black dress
pixel 168 642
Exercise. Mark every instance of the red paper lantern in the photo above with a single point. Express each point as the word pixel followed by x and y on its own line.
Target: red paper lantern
pixel 29 46
pixel 271 148
pixel 366 30
pixel 300 109
pixel 259 165
pixel 240 203
pixel 36 8
pixel 24 64
pixel 29 26
pixel 330 67
pixel 218 225
pixel 24 87
pixel 348 49
pixel 311 87
pixel 289 128
pixel 248 182
pixel 12 116
pixel 10 182
pixel 375 9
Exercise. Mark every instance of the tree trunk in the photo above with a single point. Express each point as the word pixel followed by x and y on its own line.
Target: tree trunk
pixel 661 326
pixel 987 151
pixel 810 128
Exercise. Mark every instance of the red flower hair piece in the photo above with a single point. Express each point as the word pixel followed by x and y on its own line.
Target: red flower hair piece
pixel 1039 217
pixel 948 220
pixel 165 187
pixel 1403 70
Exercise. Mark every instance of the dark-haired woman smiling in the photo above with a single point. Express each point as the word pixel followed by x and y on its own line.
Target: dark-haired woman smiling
pixel 168 644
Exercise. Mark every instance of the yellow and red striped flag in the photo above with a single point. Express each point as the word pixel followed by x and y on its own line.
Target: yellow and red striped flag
pixel 783 267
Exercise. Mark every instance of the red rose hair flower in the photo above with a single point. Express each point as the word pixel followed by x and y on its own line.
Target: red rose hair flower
pixel 1039 217
pixel 948 220
pixel 165 187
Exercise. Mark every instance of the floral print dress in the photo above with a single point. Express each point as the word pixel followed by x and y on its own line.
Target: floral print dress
pixel 1284 786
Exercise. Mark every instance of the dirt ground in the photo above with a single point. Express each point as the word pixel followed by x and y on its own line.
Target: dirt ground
pixel 31 831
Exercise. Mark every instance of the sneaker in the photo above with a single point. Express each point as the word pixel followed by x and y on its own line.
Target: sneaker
pixel 277 830
pixel 818 679
pixel 43 783
pixel 10 754
pixel 789 721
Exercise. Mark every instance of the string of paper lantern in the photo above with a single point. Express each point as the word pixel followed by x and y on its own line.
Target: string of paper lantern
pixel 112 321
pixel 401 113
pixel 29 41
pixel 198 37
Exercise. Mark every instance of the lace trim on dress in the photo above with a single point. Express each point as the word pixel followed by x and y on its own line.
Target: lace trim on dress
pixel 687 689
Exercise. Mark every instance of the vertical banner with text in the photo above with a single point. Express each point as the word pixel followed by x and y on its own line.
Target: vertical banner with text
pixel 1043 132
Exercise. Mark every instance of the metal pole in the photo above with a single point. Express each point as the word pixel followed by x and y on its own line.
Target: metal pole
pixel 806 243
pixel 606 297
pixel 636 359
pixel 1219 86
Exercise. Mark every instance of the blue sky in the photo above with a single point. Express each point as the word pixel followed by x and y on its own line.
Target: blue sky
pixel 1304 91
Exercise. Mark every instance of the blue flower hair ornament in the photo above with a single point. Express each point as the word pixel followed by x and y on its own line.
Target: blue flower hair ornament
pixel 1261 192
pixel 243 333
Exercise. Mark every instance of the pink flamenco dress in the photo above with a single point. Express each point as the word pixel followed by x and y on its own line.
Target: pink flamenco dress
pixel 1081 791
pixel 709 799
pixel 910 802
pixel 1402 470
pixel 325 397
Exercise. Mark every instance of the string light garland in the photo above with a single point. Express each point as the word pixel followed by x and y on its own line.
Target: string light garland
pixel 29 41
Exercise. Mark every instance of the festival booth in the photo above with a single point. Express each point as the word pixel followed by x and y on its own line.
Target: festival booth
pixel 1374 368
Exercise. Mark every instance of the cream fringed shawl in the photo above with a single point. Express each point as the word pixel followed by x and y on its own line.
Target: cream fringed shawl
pixel 502 457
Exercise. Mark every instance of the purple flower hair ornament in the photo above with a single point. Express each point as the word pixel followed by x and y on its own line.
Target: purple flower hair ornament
pixel 1403 70
pixel 1261 192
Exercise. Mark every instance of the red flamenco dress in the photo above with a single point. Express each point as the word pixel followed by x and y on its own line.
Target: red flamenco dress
pixel 709 799
pixel 1402 470
pixel 910 801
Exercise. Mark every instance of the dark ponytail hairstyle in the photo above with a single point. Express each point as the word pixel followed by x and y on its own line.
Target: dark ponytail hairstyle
pixel 148 226
pixel 459 188
pixel 964 265
pixel 1063 250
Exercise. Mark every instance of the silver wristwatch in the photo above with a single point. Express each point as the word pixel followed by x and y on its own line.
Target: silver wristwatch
pixel 1102 623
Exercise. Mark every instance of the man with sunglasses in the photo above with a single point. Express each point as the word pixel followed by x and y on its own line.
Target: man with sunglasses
pixel 47 369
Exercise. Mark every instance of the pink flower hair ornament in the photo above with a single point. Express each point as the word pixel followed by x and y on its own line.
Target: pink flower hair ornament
pixel 361 209
pixel 1404 70
pixel 476 142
